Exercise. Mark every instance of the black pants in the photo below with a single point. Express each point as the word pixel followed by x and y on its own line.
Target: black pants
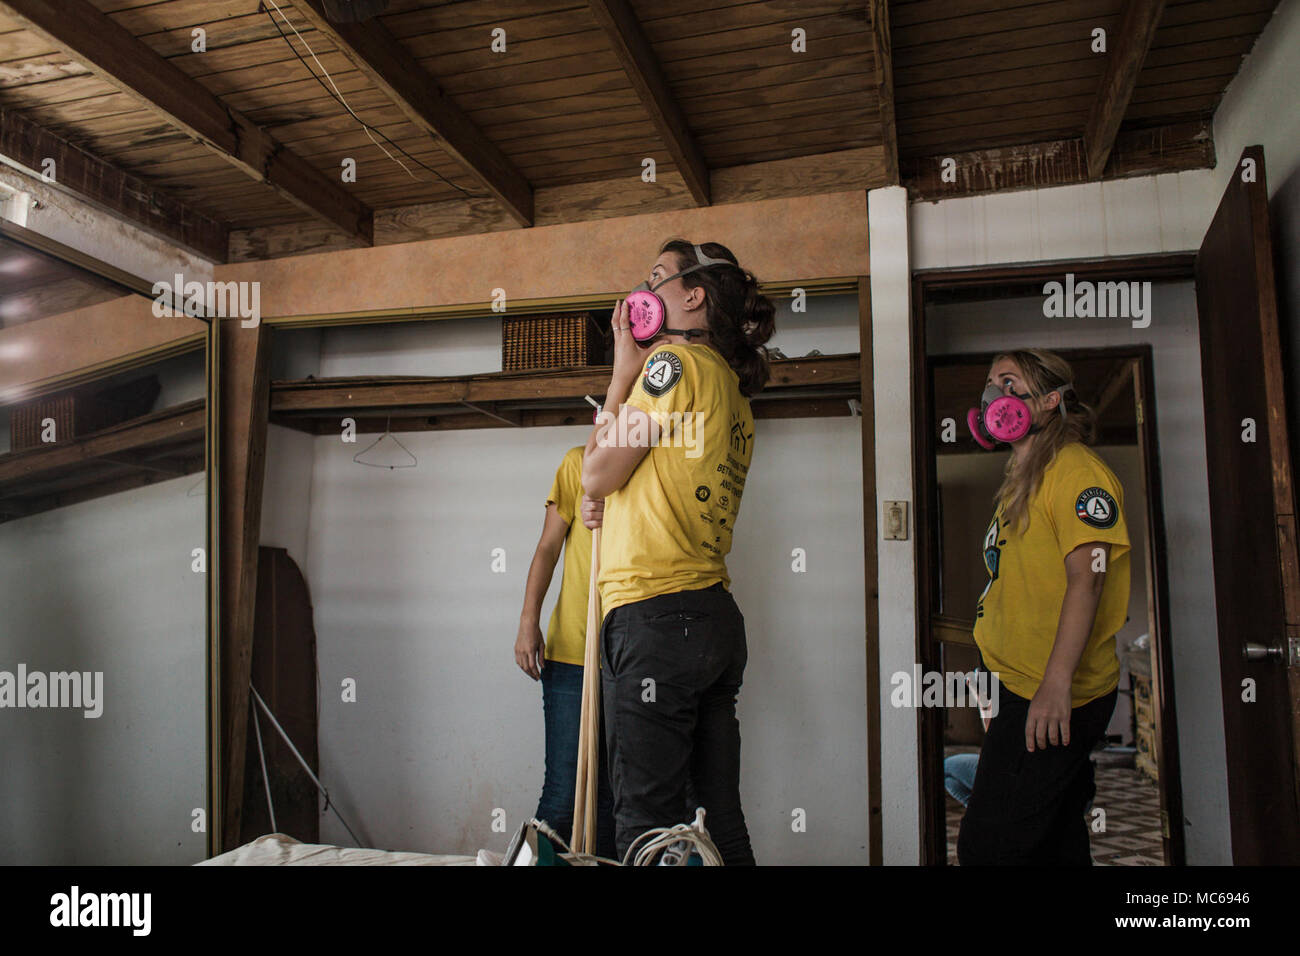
pixel 671 667
pixel 1028 808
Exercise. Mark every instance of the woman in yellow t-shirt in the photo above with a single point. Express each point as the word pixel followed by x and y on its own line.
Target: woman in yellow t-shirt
pixel 664 472
pixel 1057 558
pixel 557 660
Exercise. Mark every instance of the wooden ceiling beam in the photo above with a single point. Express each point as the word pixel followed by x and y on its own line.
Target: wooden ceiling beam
pixel 882 48
pixel 391 67
pixel 1128 50
pixel 82 32
pixel 639 62
pixel 109 188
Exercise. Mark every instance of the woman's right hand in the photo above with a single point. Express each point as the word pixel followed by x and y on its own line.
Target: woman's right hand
pixel 593 512
pixel 530 649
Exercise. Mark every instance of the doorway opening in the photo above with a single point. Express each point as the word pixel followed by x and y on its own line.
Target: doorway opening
pixel 1135 816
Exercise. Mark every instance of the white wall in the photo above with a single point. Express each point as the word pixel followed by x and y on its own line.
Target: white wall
pixel 106 585
pixel 1259 107
pixel 446 729
pixel 1120 217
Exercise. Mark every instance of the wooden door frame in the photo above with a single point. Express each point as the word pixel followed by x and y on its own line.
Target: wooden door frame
pixel 1171 267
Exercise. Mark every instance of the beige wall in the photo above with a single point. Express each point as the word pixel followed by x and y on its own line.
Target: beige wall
pixel 94 337
pixel 806 237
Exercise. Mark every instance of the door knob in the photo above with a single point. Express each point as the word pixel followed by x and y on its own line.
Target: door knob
pixel 1260 652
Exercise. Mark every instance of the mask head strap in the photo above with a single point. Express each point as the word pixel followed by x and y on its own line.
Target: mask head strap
pixel 701 261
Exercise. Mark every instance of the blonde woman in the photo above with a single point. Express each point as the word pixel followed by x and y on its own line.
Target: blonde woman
pixel 1057 556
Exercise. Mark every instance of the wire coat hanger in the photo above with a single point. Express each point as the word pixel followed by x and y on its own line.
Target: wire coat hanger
pixel 375 443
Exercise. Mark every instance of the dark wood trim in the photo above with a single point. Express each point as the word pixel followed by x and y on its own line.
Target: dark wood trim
pixel 1130 43
pixel 392 68
pixel 871 572
pixel 110 189
pixel 931 813
pixel 171 426
pixel 78 29
pixel 215 556
pixel 1169 761
pixel 883 54
pixel 1115 384
pixel 1138 152
pixel 351 395
pixel 244 397
pixel 637 56
pixel 1173 266
pixel 1157 266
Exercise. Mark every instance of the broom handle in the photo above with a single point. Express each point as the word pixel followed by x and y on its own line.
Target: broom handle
pixel 584 794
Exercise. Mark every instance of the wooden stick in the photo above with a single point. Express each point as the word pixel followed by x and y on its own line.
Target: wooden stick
pixel 583 839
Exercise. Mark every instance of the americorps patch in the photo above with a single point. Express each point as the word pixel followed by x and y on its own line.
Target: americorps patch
pixel 662 372
pixel 1096 507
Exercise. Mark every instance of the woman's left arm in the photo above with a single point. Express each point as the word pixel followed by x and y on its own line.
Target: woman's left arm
pixel 1048 720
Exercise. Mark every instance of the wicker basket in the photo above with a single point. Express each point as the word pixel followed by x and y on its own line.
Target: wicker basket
pixel 80 411
pixel 564 340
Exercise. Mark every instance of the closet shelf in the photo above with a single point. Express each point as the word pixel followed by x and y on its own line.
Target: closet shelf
pixel 815 387
pixel 155 447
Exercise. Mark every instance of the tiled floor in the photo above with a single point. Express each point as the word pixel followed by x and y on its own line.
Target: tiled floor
pixel 1132 835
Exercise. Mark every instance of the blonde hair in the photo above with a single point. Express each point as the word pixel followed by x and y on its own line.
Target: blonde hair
pixel 1042 371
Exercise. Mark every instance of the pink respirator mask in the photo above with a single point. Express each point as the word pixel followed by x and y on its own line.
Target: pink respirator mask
pixel 1004 418
pixel 647 312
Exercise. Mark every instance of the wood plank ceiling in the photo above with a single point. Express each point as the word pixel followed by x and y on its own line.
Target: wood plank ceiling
pixel 244 139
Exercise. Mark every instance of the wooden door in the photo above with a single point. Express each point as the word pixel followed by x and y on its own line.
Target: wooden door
pixel 1252 518
pixel 284 673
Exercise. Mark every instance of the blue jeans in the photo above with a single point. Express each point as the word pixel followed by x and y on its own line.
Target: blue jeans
pixel 562 707
pixel 959 775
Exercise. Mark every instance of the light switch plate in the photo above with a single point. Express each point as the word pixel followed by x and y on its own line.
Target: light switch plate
pixel 894 522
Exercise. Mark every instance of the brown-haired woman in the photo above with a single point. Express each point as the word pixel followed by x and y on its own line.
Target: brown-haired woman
pixel 664 471
pixel 1057 556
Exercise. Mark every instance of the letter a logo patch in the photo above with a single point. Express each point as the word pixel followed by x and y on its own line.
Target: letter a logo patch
pixel 1096 507
pixel 662 372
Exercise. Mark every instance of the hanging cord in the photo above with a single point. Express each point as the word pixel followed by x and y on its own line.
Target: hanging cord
pixel 674 841
pixel 316 780
pixel 665 839
pixel 337 95
pixel 261 755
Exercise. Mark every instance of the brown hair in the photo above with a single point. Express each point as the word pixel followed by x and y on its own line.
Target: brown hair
pixel 740 319
pixel 1042 371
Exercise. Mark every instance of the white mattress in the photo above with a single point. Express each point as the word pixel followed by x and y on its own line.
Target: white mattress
pixel 276 849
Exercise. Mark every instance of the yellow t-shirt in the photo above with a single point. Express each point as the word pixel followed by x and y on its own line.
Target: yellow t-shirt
pixel 566 637
pixel 669 527
pixel 1078 501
